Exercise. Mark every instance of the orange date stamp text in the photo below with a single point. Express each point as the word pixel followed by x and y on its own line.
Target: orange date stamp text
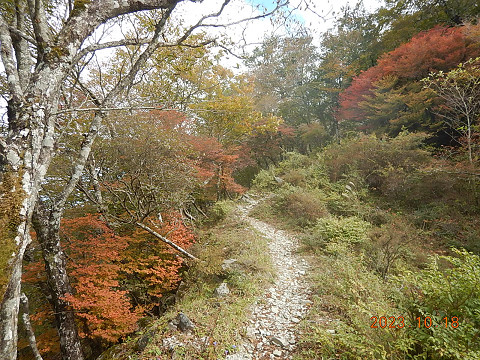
pixel 398 322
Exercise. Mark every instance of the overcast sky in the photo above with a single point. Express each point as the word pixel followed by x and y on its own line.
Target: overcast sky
pixel 317 19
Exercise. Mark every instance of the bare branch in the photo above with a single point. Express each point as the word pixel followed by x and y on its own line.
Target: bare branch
pixel 83 21
pixel 79 163
pixel 165 240
pixel 108 45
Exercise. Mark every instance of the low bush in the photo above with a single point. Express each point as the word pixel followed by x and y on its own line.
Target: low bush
pixel 218 212
pixel 445 295
pixel 348 295
pixel 337 230
pixel 299 207
pixel 265 181
pixel 390 243
pixel 372 158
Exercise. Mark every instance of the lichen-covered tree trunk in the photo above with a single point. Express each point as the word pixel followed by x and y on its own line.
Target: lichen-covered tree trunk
pixel 24 167
pixel 47 225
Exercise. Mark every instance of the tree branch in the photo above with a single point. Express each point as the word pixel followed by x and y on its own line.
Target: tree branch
pixel 126 82
pixel 40 25
pixel 85 19
pixel 165 240
pixel 6 53
pixel 108 45
pixel 79 163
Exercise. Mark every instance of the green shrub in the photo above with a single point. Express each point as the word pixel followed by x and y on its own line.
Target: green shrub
pixel 298 206
pixel 348 230
pixel 294 160
pixel 219 211
pixel 265 180
pixel 372 158
pixel 296 177
pixel 443 294
pixel 351 294
pixel 389 244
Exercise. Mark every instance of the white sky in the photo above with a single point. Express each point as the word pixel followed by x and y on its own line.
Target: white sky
pixel 253 32
pixel 317 21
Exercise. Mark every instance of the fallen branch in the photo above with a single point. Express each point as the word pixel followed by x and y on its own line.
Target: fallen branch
pixel 165 240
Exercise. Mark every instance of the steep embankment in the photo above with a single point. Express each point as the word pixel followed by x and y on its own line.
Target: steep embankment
pixel 271 328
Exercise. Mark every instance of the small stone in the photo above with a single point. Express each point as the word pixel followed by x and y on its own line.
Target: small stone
pixel 331 331
pixel 227 264
pixel 222 290
pixel 250 332
pixel 238 356
pixel 295 320
pixel 277 353
pixel 172 326
pixel 279 341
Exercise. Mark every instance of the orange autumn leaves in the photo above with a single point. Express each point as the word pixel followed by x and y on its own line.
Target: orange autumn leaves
pixel 116 278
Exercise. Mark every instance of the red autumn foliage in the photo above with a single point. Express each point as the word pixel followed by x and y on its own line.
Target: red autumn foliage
pixel 215 166
pixel 360 88
pixel 115 278
pixel 440 48
pixel 151 267
pixel 95 251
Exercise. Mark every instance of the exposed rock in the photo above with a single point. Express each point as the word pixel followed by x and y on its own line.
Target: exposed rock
pixel 277 353
pixel 278 180
pixel 222 290
pixel 171 343
pixel 172 325
pixel 279 341
pixel 229 264
pixel 183 322
pixel 182 288
pixel 238 356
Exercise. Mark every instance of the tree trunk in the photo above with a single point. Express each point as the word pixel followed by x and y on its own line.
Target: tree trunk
pixel 28 327
pixel 23 168
pixel 47 227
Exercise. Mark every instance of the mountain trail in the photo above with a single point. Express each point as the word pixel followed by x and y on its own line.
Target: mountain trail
pixel 271 329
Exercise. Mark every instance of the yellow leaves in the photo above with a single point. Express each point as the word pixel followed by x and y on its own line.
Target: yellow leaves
pixel 230 115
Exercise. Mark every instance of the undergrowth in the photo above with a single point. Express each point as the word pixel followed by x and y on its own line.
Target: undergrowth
pixel 379 217
pixel 218 321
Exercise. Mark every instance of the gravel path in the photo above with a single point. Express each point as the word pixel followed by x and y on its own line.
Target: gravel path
pixel 271 330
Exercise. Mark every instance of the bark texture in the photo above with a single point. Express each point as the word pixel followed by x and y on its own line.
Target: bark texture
pixel 36 68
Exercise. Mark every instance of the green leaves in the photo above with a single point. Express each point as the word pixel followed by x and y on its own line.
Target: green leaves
pixel 449 287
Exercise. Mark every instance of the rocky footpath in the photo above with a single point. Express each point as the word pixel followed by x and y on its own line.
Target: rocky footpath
pixel 271 332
